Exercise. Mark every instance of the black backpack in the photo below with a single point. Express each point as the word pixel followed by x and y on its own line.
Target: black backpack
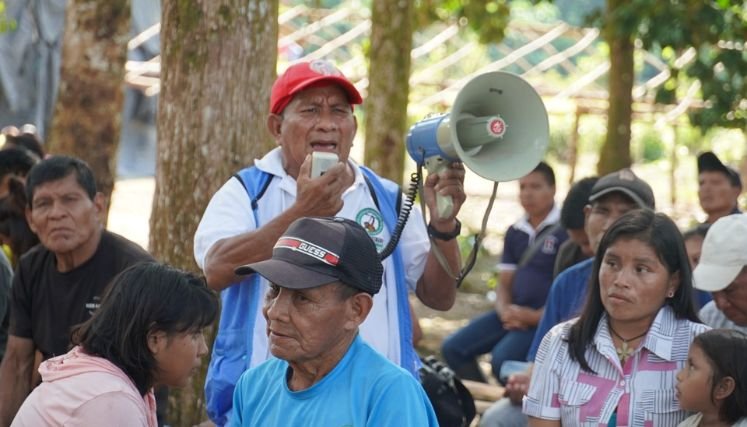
pixel 451 400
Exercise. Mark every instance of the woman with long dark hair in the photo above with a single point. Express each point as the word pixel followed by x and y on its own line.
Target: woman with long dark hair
pixel 147 332
pixel 616 364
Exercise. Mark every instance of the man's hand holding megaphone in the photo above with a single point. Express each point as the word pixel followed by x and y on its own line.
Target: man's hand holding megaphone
pixel 447 183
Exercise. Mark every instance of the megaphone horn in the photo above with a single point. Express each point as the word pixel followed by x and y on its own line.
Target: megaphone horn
pixel 498 128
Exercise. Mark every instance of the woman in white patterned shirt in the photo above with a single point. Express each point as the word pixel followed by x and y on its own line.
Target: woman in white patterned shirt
pixel 616 364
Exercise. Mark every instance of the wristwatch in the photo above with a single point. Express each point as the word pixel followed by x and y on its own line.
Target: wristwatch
pixel 445 236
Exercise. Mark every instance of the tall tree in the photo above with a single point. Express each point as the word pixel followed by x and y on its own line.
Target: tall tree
pixel 615 153
pixel 217 66
pixel 717 29
pixel 392 25
pixel 87 117
pixel 389 87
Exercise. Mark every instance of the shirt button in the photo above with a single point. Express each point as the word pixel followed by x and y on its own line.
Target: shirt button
pixel 622 383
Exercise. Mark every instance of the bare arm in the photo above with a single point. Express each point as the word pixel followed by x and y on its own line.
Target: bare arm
pixel 504 295
pixel 539 422
pixel 15 377
pixel 315 197
pixel 436 288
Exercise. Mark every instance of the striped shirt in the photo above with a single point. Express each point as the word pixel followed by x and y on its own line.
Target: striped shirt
pixel 642 391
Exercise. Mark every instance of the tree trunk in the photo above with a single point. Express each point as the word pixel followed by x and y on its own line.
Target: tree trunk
pixel 87 115
pixel 573 146
pixel 217 66
pixel 615 153
pixel 388 88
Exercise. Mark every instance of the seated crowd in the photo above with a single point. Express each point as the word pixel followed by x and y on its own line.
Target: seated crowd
pixel 606 315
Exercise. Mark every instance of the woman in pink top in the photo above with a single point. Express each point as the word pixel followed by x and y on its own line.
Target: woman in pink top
pixel 616 364
pixel 147 331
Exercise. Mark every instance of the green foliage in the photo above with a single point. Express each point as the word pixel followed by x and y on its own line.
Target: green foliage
pixel 650 146
pixel 716 28
pixel 488 18
pixel 5 23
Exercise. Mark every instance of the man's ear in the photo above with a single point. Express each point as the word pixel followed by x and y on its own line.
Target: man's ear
pixel 99 203
pixel 724 388
pixel 275 125
pixel 359 305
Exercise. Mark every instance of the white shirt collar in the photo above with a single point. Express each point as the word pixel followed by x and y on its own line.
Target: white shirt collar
pixel 523 223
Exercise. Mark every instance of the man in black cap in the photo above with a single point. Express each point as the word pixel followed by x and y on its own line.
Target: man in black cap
pixel 323 274
pixel 719 187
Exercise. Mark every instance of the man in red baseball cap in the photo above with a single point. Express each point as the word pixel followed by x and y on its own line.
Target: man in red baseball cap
pixel 311 110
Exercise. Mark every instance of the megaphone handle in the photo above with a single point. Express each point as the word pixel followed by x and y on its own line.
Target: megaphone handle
pixel 444 204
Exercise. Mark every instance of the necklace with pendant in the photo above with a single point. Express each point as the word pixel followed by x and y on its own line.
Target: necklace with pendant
pixel 625 351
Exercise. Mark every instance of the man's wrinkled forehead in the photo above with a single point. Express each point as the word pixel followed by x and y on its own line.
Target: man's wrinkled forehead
pixel 321 93
pixel 69 183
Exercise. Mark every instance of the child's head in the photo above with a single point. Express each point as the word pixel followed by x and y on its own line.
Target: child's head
pixel 694 242
pixel 714 378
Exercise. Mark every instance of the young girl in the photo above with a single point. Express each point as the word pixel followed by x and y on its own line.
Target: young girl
pixel 714 380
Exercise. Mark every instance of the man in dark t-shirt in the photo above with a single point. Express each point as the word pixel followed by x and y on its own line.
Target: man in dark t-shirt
pixel 58 283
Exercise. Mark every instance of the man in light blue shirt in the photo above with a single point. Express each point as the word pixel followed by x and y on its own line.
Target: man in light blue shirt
pixel 323 275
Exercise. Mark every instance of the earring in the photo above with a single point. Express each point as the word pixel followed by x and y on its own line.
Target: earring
pixel 670 294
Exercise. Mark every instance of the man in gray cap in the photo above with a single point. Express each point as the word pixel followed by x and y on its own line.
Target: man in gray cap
pixel 719 187
pixel 323 274
pixel 612 196
pixel 722 271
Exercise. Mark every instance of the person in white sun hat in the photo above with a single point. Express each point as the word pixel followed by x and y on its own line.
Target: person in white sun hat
pixel 722 271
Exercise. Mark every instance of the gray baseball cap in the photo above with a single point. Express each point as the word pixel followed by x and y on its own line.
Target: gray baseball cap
pixel 626 182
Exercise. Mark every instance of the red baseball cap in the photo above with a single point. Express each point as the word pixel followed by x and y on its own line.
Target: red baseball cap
pixel 303 75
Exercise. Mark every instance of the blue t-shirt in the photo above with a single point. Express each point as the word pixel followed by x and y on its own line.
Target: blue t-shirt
pixel 565 300
pixel 532 280
pixel 364 389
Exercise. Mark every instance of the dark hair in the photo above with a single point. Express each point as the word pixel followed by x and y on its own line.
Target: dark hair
pixel 699 230
pixel 58 167
pixel 725 350
pixel 145 298
pixel 546 171
pixel 572 212
pixel 16 161
pixel 27 142
pixel 13 223
pixel 662 235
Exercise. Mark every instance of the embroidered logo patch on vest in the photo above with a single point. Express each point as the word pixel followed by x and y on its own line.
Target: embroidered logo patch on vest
pixel 370 219
pixel 550 245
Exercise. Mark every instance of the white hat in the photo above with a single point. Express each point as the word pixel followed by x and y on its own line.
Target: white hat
pixel 724 253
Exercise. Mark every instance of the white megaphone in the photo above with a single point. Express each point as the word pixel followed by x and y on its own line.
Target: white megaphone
pixel 497 127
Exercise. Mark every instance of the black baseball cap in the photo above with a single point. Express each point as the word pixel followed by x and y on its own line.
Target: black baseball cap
pixel 626 182
pixel 316 251
pixel 709 162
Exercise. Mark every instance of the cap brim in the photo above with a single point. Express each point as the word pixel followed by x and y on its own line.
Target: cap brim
pixel 623 190
pixel 714 278
pixel 286 274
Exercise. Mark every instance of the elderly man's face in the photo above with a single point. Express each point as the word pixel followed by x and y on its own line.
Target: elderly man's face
pixel 317 119
pixel 732 301
pixel 715 192
pixel 308 325
pixel 63 216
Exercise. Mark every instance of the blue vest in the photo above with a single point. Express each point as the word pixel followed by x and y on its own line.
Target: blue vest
pixel 232 350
